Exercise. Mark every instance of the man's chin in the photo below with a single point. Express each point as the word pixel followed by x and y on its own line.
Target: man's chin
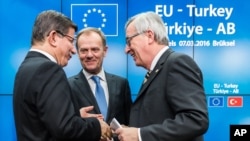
pixel 91 70
pixel 137 64
pixel 63 64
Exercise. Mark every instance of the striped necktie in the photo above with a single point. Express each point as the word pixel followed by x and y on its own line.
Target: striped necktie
pixel 146 77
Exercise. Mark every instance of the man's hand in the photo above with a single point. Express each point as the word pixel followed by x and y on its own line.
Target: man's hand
pixel 106 131
pixel 84 113
pixel 127 134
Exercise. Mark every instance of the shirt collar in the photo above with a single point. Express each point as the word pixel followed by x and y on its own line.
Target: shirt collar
pixel 157 57
pixel 44 53
pixel 101 74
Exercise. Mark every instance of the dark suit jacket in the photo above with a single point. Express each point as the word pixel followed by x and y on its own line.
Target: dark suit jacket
pixel 43 109
pixel 171 105
pixel 119 96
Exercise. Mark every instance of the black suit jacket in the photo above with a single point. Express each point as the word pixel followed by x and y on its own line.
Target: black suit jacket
pixel 119 96
pixel 43 109
pixel 171 105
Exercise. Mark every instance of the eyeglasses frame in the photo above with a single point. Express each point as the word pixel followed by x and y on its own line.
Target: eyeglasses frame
pixel 72 39
pixel 128 39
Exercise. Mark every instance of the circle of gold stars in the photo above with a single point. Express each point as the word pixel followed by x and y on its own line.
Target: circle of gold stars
pixel 94 10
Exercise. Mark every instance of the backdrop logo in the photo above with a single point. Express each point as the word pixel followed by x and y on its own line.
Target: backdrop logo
pixel 101 16
pixel 235 101
pixel 216 101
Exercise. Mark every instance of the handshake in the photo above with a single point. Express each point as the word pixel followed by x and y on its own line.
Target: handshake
pixel 107 133
pixel 106 130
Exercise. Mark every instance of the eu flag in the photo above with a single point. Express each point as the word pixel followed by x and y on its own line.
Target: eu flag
pixel 216 101
pixel 102 16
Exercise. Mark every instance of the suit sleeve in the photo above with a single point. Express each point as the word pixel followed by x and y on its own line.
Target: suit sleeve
pixel 56 109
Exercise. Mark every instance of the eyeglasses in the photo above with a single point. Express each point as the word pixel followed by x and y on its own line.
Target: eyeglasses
pixel 71 39
pixel 128 39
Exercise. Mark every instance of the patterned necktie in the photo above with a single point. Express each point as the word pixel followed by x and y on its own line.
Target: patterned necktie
pixel 146 77
pixel 100 96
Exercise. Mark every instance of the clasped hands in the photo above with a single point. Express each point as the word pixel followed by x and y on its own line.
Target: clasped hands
pixel 106 133
pixel 124 134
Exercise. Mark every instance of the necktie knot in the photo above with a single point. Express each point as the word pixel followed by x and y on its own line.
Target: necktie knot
pixel 96 79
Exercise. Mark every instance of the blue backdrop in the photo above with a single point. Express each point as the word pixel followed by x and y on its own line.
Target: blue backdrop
pixel 214 33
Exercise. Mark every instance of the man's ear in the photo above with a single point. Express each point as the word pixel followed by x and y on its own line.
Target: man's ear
pixel 150 35
pixel 105 50
pixel 52 38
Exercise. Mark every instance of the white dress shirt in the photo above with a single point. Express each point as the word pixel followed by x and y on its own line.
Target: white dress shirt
pixel 103 82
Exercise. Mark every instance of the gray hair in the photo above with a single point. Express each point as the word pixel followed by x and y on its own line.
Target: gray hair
pixel 150 21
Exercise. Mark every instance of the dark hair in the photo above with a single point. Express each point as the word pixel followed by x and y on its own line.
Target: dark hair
pixel 47 21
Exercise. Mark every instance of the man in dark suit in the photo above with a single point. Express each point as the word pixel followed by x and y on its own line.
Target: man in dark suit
pixel 43 109
pixel 91 48
pixel 171 104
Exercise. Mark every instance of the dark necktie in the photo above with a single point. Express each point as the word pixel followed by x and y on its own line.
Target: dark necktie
pixel 100 96
pixel 146 77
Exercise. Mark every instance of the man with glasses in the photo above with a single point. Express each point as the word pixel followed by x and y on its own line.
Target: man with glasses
pixel 171 104
pixel 43 109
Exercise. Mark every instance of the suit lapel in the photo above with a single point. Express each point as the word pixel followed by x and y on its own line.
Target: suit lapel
pixel 155 72
pixel 111 89
pixel 86 91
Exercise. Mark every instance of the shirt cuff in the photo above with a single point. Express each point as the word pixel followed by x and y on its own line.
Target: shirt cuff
pixel 139 134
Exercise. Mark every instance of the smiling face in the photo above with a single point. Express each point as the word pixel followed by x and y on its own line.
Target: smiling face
pixel 65 47
pixel 91 52
pixel 136 45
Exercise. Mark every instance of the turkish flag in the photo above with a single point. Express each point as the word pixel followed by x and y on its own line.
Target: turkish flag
pixel 235 101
